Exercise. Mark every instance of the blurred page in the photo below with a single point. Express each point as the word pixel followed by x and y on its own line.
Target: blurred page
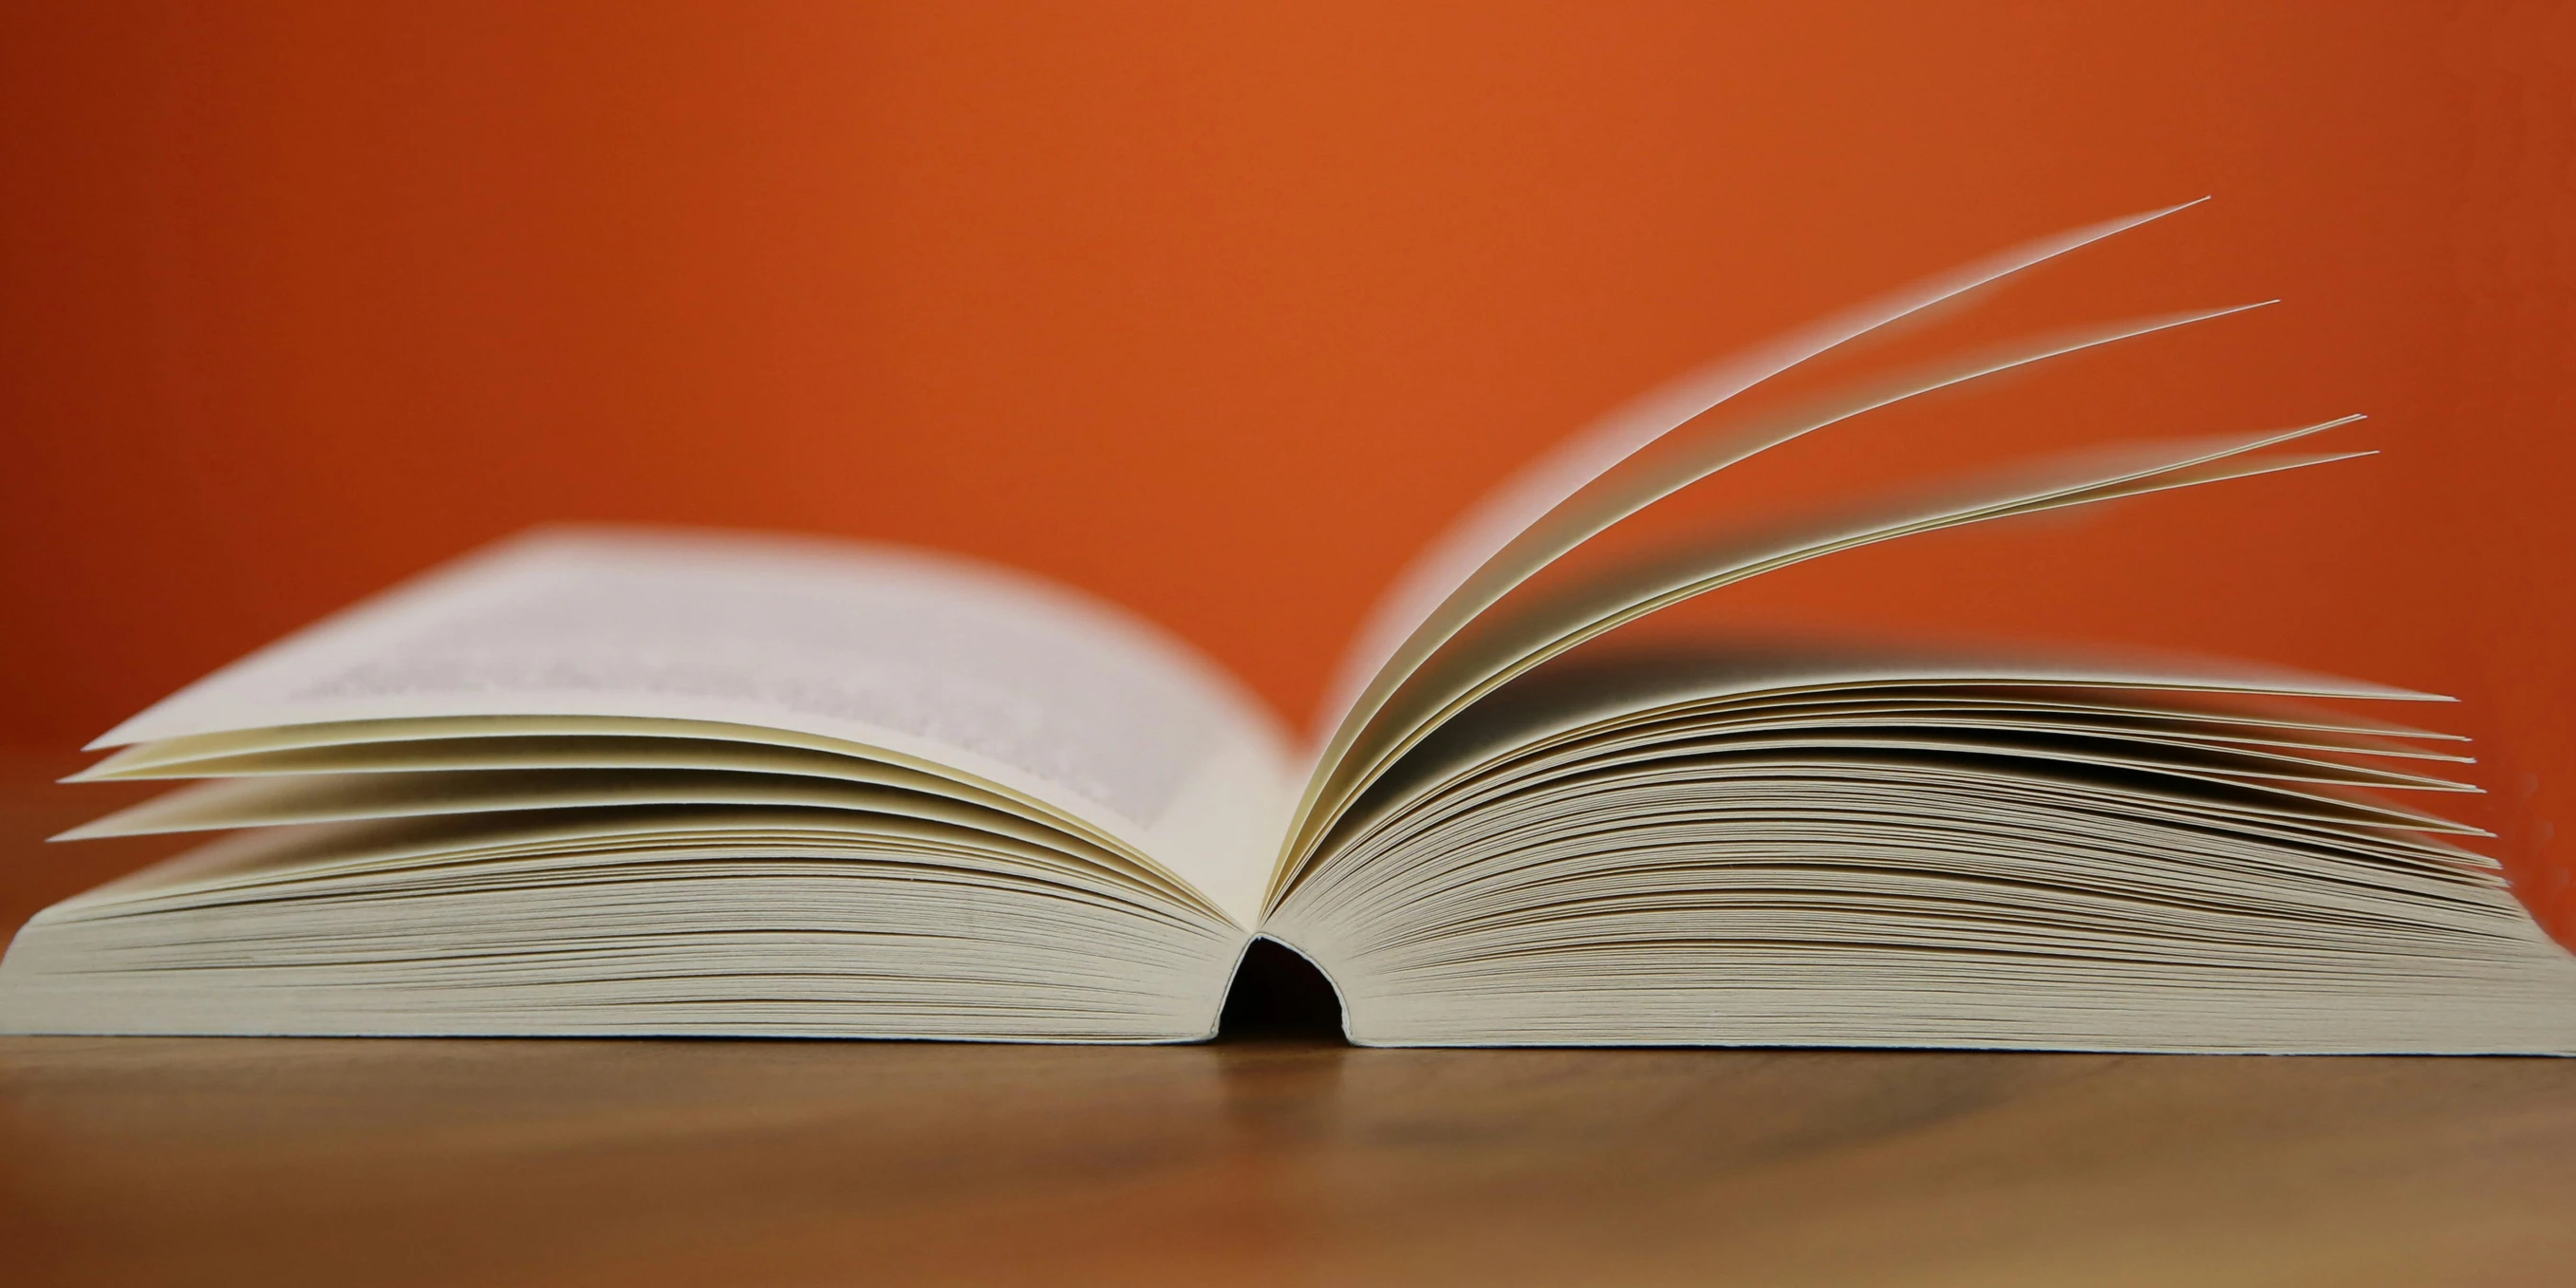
pixel 937 660
pixel 1424 593
pixel 1510 639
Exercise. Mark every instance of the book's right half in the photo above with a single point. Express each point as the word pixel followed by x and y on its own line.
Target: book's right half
pixel 1532 821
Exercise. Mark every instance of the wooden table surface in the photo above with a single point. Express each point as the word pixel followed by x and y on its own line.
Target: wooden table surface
pixel 1283 1160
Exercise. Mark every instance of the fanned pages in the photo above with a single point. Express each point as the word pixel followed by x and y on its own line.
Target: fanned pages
pixel 603 780
pixel 1817 846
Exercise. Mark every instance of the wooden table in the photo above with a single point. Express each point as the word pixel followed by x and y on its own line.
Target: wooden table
pixel 1242 1163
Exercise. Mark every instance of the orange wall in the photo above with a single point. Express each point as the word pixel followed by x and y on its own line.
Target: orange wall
pixel 1221 311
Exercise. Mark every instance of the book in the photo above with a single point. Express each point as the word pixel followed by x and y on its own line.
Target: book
pixel 607 780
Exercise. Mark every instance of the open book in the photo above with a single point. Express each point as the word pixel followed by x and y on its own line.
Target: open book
pixel 611 781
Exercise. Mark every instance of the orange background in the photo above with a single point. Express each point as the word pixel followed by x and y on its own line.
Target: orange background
pixel 1221 311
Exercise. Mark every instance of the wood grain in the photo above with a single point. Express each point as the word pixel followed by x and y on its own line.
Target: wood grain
pixel 1246 1162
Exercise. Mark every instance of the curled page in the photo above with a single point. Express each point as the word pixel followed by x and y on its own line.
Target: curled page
pixel 1498 646
pixel 1550 481
pixel 1631 485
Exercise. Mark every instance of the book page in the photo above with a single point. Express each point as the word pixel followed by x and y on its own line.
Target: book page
pixel 1506 642
pixel 1630 486
pixel 1013 683
pixel 1447 567
pixel 1598 477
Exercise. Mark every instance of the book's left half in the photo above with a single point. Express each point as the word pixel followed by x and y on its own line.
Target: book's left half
pixel 622 781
